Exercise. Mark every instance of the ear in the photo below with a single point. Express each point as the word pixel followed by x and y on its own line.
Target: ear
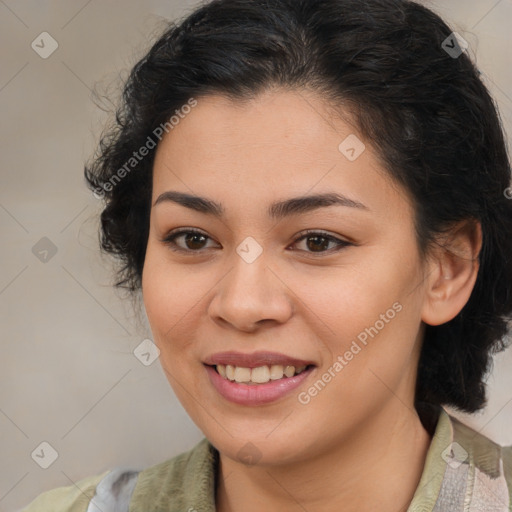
pixel 452 272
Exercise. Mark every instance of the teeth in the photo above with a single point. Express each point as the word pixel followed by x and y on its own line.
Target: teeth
pixel 222 370
pixel 276 372
pixel 289 371
pixel 242 374
pixel 259 375
pixel 230 372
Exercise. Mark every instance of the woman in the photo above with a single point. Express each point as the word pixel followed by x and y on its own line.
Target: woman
pixel 312 197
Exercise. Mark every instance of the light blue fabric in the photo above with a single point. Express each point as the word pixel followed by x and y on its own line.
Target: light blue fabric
pixel 114 492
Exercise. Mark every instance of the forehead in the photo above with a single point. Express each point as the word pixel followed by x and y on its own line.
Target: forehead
pixel 276 119
pixel 280 143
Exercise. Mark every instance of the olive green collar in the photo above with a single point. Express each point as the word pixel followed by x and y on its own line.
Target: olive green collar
pixel 463 471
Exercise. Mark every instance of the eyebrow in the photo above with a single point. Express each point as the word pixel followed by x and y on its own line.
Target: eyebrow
pixel 277 210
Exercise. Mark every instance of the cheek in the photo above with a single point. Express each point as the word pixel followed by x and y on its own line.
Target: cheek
pixel 369 312
pixel 346 300
pixel 169 295
pixel 338 303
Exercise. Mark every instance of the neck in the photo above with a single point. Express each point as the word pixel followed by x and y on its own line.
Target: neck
pixel 377 468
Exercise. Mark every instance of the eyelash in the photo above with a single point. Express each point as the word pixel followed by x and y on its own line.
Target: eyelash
pixel 169 240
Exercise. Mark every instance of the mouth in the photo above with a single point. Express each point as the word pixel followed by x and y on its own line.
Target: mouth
pixel 260 374
pixel 257 379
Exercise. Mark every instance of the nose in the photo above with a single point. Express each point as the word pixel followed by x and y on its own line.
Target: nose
pixel 251 294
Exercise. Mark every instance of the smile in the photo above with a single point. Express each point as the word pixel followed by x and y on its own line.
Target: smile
pixel 259 375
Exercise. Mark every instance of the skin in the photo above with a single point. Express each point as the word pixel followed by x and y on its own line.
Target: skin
pixel 335 453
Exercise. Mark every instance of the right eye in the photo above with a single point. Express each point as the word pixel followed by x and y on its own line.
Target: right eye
pixel 192 239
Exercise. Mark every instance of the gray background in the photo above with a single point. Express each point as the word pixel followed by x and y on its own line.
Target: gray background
pixel 68 374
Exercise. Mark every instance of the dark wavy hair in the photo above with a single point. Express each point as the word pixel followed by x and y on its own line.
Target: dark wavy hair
pixel 425 110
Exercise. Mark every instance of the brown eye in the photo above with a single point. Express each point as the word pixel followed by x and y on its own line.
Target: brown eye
pixel 193 240
pixel 318 242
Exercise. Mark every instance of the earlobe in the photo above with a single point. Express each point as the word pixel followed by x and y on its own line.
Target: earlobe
pixel 453 269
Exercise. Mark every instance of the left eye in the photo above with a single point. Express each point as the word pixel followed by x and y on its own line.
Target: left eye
pixel 316 241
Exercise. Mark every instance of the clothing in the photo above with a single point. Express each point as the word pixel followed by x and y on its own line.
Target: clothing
pixel 464 471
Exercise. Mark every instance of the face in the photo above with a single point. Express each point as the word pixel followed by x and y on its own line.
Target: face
pixel 336 286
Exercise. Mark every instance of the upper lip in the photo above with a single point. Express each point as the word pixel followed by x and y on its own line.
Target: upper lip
pixel 255 359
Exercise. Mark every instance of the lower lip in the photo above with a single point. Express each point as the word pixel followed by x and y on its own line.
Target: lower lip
pixel 258 394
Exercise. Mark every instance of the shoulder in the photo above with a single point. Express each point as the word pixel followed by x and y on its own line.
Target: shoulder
pixel 122 488
pixel 487 455
pixel 464 469
pixel 72 498
pixel 187 481
pixel 107 491
pixel 489 465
